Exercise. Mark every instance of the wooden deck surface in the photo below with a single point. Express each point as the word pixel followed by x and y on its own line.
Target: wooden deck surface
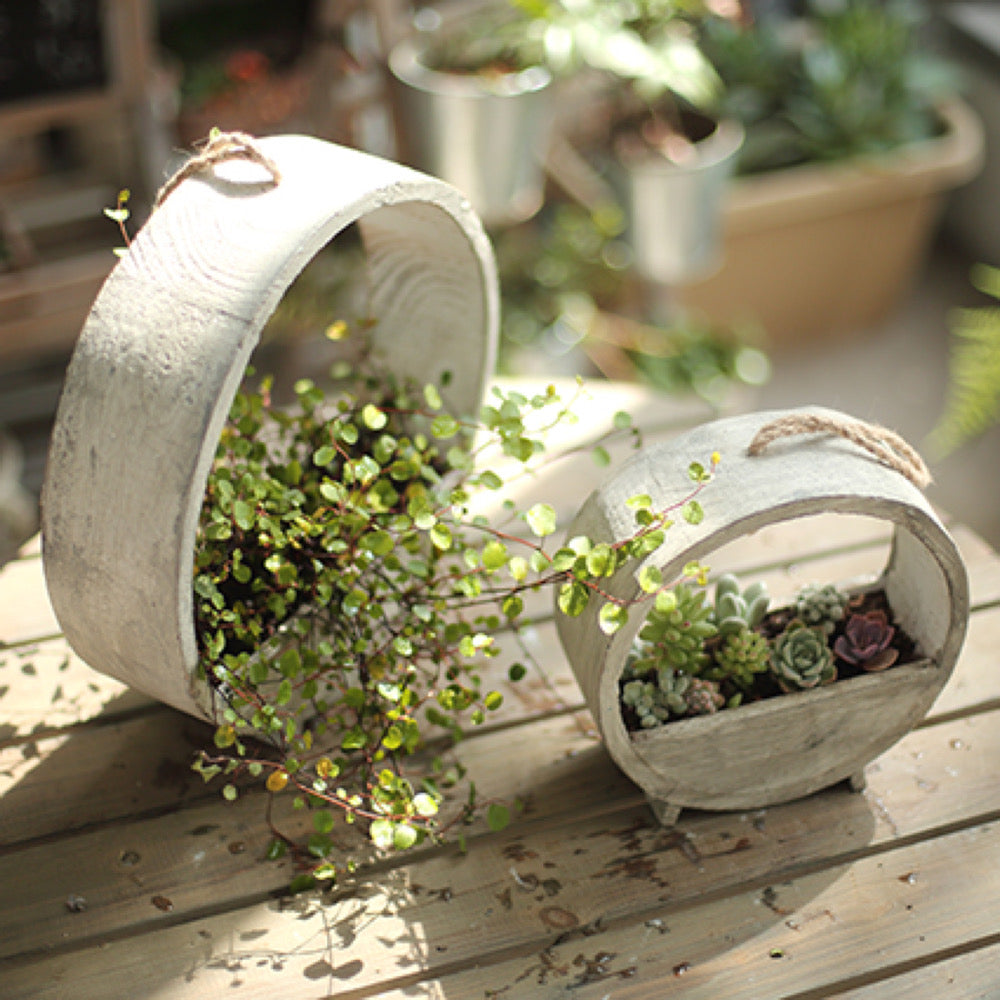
pixel 123 876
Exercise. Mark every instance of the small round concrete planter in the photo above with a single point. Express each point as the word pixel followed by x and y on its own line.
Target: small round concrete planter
pixel 789 746
pixel 487 136
pixel 164 349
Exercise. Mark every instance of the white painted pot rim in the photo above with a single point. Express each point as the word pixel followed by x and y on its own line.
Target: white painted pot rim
pixel 406 64
pixel 721 145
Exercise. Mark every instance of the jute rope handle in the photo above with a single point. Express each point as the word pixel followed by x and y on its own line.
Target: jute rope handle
pixel 220 147
pixel 884 444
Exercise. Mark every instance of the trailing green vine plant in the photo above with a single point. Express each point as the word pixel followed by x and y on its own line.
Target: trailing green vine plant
pixel 351 588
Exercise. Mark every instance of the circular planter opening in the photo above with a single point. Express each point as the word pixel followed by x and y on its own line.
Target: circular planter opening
pixel 166 345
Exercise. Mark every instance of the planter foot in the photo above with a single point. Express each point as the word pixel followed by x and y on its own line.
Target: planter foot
pixel 666 813
pixel 858 781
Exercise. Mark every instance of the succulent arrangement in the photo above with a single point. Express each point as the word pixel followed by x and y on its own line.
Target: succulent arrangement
pixel 692 657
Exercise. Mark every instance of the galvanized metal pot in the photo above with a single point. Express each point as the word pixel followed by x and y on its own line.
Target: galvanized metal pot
pixel 673 210
pixel 486 135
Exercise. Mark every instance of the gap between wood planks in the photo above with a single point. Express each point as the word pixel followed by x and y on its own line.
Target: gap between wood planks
pixel 965 974
pixel 883 975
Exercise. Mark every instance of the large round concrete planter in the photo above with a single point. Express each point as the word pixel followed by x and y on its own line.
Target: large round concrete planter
pixel 830 249
pixel 781 748
pixel 162 354
pixel 486 135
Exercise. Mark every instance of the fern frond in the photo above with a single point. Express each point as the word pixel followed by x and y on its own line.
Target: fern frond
pixel 973 401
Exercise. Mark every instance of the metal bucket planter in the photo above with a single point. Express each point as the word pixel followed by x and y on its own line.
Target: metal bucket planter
pixel 164 349
pixel 785 747
pixel 673 211
pixel 486 135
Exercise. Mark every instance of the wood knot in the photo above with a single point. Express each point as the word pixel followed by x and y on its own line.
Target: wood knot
pixel 886 445
pixel 219 148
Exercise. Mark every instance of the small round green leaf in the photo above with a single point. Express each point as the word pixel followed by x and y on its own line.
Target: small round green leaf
pixel 541 519
pixel 373 418
pixel 497 817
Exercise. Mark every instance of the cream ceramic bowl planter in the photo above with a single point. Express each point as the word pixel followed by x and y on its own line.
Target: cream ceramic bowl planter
pixel 164 349
pixel 785 747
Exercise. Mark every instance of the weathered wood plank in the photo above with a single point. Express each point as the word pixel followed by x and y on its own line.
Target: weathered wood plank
pixel 142 743
pixel 45 687
pixel 802 938
pixel 976 680
pixel 25 615
pixel 548 874
pixel 982 563
pixel 971 976
pixel 25 612
pixel 98 774
pixel 583 862
pixel 564 765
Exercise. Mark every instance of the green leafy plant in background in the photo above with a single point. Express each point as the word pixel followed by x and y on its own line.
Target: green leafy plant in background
pixel 973 402
pixel 350 591
pixel 649 45
pixel 565 284
pixel 850 77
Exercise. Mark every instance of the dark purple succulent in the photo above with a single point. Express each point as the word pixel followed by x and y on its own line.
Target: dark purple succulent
pixel 865 641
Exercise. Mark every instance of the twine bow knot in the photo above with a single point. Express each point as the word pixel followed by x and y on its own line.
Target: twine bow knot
pixel 219 148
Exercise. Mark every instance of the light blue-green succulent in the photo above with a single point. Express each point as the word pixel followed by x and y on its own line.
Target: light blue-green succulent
pixel 736 610
pixel 642 698
pixel 668 694
pixel 801 658
pixel 820 606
